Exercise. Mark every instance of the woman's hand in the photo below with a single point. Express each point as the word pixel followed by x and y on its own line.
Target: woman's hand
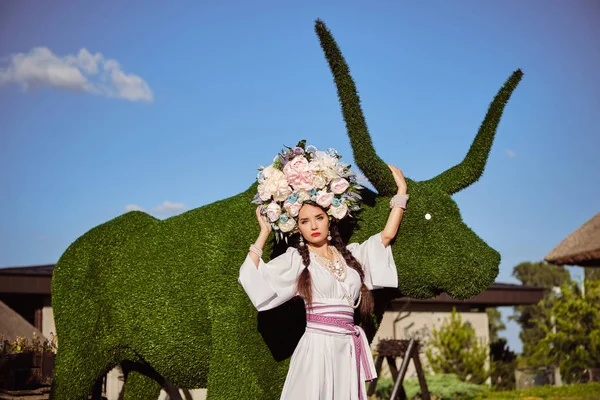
pixel 399 178
pixel 265 226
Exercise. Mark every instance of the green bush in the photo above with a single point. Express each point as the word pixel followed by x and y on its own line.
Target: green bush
pixel 454 349
pixel 441 387
pixel 384 388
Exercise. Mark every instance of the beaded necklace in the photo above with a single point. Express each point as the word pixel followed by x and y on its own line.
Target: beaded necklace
pixel 338 269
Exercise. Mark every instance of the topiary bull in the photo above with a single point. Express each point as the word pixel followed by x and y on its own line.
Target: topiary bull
pixel 161 298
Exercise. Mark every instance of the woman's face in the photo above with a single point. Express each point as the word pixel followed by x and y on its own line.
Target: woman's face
pixel 313 224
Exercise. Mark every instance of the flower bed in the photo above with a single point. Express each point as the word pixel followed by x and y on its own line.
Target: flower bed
pixel 24 365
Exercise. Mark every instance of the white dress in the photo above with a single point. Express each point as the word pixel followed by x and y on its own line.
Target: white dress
pixel 323 365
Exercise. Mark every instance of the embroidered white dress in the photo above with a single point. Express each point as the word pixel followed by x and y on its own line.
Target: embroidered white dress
pixel 323 365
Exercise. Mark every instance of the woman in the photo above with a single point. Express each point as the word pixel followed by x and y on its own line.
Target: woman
pixel 305 192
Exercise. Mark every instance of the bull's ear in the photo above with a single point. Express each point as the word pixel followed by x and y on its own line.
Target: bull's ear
pixel 471 168
pixel 376 171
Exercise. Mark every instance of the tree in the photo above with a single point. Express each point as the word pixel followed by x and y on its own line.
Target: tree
pixel 534 319
pixel 454 349
pixel 575 343
pixel 495 323
pixel 541 274
pixel 504 362
pixel 502 358
pixel 592 273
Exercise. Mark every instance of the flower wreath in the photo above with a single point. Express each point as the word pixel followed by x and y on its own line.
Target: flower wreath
pixel 301 174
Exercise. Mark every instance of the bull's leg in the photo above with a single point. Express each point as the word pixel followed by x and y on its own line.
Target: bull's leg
pixel 139 387
pixel 229 377
pixel 76 373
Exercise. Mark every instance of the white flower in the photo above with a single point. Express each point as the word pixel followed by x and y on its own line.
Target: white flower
pixel 273 183
pixel 319 181
pixel 273 211
pixel 303 196
pixel 288 225
pixel 338 212
pixel 292 208
pixel 270 172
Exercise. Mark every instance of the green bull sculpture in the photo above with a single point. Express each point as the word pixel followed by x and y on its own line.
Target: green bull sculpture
pixel 161 298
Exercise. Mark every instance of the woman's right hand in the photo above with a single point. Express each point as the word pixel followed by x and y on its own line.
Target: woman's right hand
pixel 265 225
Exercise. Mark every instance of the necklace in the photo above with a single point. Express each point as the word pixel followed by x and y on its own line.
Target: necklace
pixel 337 268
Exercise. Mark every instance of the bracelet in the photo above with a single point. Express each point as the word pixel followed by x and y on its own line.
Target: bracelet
pixel 399 200
pixel 256 250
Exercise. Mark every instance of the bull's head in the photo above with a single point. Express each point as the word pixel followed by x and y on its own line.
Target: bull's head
pixel 434 251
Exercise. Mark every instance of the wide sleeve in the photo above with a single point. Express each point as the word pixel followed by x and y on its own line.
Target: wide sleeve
pixel 272 283
pixel 377 262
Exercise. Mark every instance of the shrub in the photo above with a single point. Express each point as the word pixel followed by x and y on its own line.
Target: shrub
pixel 441 387
pixel 454 349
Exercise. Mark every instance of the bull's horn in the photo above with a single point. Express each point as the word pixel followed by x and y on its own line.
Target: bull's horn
pixel 365 156
pixel 470 169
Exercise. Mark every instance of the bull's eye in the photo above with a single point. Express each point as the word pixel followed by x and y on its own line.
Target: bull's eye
pixel 427 216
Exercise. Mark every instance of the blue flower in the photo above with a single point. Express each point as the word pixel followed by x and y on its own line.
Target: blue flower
pixel 292 198
pixel 335 202
pixel 313 191
pixel 283 218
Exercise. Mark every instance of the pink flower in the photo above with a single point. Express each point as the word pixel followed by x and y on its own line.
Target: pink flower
pixel 297 173
pixel 324 199
pixel 273 211
pixel 339 186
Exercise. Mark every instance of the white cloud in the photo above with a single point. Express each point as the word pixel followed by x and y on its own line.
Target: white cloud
pixel 511 153
pixel 84 72
pixel 169 207
pixel 133 207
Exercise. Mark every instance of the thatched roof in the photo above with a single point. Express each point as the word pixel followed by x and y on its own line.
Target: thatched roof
pixel 13 325
pixel 581 247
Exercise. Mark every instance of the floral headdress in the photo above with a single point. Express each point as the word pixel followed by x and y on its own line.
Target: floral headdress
pixel 301 174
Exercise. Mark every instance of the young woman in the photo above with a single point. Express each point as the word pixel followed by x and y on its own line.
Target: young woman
pixel 304 193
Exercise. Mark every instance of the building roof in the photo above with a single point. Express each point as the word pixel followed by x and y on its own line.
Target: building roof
pixel 581 247
pixel 496 295
pixel 37 279
pixel 34 270
pixel 13 325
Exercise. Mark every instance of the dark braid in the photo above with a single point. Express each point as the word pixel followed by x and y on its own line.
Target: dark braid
pixel 304 282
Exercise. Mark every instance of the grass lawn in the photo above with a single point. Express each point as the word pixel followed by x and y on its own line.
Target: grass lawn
pixel 589 391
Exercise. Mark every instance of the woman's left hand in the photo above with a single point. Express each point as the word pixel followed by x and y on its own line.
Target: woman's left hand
pixel 399 178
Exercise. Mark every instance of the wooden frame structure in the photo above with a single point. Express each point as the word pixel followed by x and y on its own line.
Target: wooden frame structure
pixel 408 350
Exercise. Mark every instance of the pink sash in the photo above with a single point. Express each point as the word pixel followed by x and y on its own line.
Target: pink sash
pixel 339 319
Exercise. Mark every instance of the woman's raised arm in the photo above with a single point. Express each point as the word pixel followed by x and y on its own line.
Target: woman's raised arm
pixel 391 227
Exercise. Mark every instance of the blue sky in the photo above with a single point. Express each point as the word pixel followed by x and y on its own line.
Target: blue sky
pixel 162 106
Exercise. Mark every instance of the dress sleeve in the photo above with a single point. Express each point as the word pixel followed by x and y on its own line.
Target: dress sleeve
pixel 377 262
pixel 272 283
